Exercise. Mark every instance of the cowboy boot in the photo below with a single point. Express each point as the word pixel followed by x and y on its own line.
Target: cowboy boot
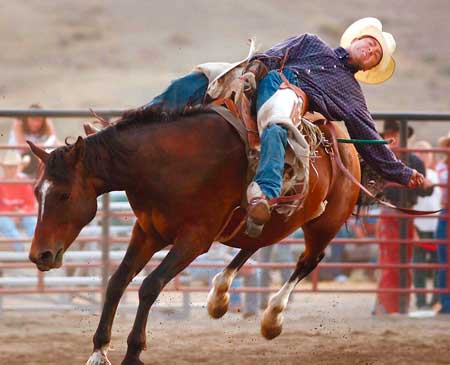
pixel 258 210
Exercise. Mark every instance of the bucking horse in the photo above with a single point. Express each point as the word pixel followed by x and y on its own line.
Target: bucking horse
pixel 185 177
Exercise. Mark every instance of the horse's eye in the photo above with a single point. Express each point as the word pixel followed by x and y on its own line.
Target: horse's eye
pixel 64 196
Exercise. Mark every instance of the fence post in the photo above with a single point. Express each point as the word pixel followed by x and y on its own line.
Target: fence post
pixel 403 298
pixel 105 244
pixel 1 297
pixel 448 223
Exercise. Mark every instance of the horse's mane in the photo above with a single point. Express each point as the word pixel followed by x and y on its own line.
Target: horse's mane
pixel 108 139
pixel 155 114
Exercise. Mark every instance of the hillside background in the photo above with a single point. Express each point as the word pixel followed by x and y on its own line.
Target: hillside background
pixel 82 54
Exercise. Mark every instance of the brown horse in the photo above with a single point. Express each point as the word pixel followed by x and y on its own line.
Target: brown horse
pixel 184 175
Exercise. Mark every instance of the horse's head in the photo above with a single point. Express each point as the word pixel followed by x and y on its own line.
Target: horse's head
pixel 67 202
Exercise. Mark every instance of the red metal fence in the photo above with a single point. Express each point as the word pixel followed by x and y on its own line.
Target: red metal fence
pixel 107 263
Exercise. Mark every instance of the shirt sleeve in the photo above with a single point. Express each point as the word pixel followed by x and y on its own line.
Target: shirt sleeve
pixel 274 56
pixel 360 125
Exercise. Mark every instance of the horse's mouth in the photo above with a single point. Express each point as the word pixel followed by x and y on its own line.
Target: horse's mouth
pixel 44 267
pixel 57 262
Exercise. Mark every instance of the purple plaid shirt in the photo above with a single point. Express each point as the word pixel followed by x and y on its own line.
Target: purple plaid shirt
pixel 326 76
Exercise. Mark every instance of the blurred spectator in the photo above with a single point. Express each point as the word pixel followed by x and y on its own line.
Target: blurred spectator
pixel 16 198
pixel 275 253
pixel 389 227
pixel 426 228
pixel 38 130
pixel 360 228
pixel 441 232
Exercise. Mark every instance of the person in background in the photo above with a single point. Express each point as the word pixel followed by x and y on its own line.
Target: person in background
pixel 389 227
pixel 279 253
pixel 441 231
pixel 38 130
pixel 426 228
pixel 16 198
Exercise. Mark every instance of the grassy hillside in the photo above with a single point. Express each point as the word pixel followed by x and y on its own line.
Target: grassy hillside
pixel 114 53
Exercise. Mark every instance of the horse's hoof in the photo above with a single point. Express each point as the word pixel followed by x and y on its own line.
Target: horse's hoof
pixel 217 307
pixel 270 333
pixel 217 311
pixel 271 323
pixel 253 230
pixel 98 358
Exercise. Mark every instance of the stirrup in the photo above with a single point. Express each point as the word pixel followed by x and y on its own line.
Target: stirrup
pixel 259 210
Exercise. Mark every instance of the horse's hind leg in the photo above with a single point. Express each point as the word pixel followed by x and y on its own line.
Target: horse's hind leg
pixel 318 234
pixel 141 248
pixel 183 252
pixel 218 297
pixel 272 320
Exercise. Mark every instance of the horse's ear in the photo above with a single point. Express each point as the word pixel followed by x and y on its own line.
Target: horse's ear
pixel 76 153
pixel 38 152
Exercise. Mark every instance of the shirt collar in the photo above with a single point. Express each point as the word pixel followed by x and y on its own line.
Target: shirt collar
pixel 344 58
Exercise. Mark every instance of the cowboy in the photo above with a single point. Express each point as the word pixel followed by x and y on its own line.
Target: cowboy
pixel 329 78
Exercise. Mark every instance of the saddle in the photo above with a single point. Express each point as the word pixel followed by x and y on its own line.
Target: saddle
pixel 242 116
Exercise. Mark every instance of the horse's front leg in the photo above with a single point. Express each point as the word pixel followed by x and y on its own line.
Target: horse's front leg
pixel 185 250
pixel 272 320
pixel 141 249
pixel 218 296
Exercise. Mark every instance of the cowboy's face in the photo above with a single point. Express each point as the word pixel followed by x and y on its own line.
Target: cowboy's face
pixel 365 52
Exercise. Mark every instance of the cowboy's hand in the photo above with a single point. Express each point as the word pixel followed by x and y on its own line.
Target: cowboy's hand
pixel 416 180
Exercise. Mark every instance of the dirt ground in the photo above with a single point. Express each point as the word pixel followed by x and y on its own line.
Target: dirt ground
pixel 318 329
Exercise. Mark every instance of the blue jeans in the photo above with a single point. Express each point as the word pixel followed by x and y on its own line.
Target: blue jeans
pixel 269 175
pixel 8 229
pixel 186 90
pixel 191 89
pixel 271 164
pixel 441 233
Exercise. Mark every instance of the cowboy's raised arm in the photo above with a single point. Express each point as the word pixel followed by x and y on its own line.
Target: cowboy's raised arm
pixel 360 125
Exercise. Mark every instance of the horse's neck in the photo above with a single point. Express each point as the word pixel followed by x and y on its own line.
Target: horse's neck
pixel 108 170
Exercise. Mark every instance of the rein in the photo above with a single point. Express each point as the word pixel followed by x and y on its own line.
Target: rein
pixel 334 154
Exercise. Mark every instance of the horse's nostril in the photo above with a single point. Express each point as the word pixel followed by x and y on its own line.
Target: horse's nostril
pixel 46 257
pixel 32 258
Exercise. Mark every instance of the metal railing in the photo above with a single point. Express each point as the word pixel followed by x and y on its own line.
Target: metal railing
pixel 105 259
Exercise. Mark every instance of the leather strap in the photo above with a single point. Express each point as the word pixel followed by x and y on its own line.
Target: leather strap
pixel 299 92
pixel 229 104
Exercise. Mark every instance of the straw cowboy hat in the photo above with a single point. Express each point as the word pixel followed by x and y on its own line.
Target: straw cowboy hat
pixel 13 158
pixel 372 27
pixel 444 141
